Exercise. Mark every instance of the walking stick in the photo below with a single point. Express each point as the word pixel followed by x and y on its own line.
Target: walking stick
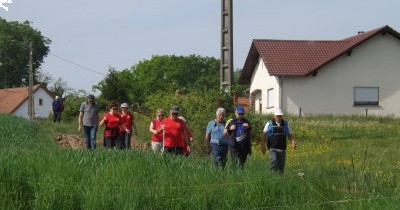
pixel 163 137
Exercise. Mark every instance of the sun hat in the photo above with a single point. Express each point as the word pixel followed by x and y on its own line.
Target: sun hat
pixel 124 105
pixel 278 112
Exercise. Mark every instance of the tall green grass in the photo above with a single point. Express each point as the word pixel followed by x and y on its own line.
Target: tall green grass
pixel 341 171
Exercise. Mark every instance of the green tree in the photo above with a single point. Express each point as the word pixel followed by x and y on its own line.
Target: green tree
pixel 15 38
pixel 113 88
pixel 164 73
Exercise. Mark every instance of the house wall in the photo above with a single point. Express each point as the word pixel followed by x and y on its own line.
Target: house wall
pixel 375 63
pixel 262 81
pixel 41 111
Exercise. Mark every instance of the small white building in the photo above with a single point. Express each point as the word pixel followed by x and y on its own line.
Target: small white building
pixel 355 76
pixel 15 101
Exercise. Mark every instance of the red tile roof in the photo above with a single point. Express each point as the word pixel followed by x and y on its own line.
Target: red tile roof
pixel 12 98
pixel 300 57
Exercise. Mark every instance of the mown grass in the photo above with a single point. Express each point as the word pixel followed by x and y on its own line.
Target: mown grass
pixel 347 162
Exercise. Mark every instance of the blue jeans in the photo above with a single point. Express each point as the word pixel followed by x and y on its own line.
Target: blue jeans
pixel 277 159
pixel 219 154
pixel 90 136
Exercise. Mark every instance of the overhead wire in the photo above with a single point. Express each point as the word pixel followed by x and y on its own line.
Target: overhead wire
pixel 78 65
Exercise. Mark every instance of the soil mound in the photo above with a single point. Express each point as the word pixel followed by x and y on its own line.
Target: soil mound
pixel 70 141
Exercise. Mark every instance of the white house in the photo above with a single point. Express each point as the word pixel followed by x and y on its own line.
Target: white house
pixel 355 76
pixel 15 101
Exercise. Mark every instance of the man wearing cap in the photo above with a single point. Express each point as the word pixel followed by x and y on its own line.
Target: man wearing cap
pixel 174 129
pixel 57 108
pixel 128 119
pixel 238 130
pixel 89 120
pixel 275 132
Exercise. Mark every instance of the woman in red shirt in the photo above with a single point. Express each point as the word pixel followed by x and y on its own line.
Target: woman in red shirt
pixel 157 131
pixel 128 119
pixel 113 122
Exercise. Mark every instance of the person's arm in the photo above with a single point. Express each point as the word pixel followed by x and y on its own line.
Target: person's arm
pixel 290 136
pixel 264 138
pixel 151 128
pixel 207 143
pixel 80 120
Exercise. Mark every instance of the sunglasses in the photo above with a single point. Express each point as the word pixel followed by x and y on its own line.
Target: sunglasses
pixel 174 113
pixel 161 115
pixel 114 108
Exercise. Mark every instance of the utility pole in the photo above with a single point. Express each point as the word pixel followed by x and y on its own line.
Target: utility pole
pixel 30 89
pixel 226 69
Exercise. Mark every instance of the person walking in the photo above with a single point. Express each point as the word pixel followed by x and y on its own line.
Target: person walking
pixel 238 130
pixel 215 140
pixel 88 120
pixel 174 129
pixel 112 133
pixel 275 133
pixel 187 139
pixel 57 108
pixel 157 131
pixel 128 120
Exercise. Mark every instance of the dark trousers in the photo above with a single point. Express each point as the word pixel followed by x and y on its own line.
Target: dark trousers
pixel 239 154
pixel 219 152
pixel 111 142
pixel 56 116
pixel 174 150
pixel 277 159
pixel 126 140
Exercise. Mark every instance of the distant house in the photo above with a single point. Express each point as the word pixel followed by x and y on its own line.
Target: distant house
pixel 355 76
pixel 15 101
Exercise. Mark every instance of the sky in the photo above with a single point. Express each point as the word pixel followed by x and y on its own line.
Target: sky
pixel 90 36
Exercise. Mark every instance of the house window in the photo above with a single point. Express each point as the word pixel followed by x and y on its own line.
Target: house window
pixel 366 96
pixel 40 102
pixel 270 98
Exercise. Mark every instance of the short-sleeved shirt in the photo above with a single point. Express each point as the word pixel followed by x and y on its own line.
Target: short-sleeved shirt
pixel 174 131
pixel 90 114
pixel 216 131
pixel 113 124
pixel 127 119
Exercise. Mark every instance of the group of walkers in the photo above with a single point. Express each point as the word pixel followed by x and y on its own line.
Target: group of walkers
pixel 118 125
pixel 171 135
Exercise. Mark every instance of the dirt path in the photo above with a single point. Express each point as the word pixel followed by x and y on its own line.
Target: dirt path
pixel 72 141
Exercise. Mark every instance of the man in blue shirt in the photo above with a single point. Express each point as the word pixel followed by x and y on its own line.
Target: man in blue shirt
pixel 215 142
pixel 275 132
pixel 57 108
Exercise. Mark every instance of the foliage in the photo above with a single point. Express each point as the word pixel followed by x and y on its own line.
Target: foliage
pixel 161 73
pixel 112 87
pixel 324 173
pixel 14 52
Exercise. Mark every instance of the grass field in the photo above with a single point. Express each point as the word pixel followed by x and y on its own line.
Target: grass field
pixel 347 162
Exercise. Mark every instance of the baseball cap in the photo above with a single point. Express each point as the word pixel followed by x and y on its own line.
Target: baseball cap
pixel 278 112
pixel 240 109
pixel 91 97
pixel 174 109
pixel 124 105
